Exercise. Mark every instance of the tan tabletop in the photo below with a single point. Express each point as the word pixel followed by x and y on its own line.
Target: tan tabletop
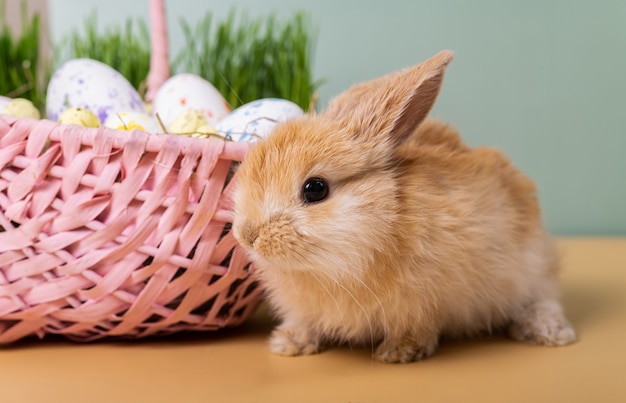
pixel 235 365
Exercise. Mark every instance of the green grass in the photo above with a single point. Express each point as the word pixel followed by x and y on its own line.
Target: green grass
pixel 125 48
pixel 22 73
pixel 244 58
pixel 248 59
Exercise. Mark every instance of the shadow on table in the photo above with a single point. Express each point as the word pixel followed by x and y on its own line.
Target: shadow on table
pixel 584 304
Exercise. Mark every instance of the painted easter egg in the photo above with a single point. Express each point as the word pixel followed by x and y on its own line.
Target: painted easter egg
pixel 189 92
pixel 192 123
pixel 21 108
pixel 133 121
pixel 79 116
pixel 90 84
pixel 187 122
pixel 257 119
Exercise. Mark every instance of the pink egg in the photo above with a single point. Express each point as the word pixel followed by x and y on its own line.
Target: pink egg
pixel 189 92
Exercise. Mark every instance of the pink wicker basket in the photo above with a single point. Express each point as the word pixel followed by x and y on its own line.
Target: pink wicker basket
pixel 112 233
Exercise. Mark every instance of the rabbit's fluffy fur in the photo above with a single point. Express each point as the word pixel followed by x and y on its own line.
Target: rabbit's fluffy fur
pixel 419 236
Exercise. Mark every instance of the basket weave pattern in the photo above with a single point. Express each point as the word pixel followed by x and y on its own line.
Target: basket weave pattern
pixel 111 233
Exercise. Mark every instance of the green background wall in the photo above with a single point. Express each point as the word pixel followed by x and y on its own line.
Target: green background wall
pixel 543 80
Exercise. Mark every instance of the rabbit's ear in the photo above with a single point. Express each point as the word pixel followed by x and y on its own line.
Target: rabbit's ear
pixel 394 105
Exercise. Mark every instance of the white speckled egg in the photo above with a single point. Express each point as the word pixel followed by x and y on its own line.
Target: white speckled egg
pixel 189 92
pixel 133 120
pixel 257 119
pixel 86 83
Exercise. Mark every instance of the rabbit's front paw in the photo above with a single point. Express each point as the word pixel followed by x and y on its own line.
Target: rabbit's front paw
pixel 404 351
pixel 292 342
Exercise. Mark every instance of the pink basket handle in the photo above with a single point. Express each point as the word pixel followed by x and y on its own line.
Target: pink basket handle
pixel 159 54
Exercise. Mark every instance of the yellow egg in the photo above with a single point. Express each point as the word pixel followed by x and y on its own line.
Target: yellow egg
pixel 187 122
pixel 79 116
pixel 132 121
pixel 205 131
pixel 192 123
pixel 21 108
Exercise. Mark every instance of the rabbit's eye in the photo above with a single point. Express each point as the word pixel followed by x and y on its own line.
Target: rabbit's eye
pixel 314 190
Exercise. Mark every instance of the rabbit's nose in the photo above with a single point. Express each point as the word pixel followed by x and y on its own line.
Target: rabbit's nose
pixel 246 234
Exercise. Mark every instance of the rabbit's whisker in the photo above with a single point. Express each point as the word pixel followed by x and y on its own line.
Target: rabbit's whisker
pixel 378 300
pixel 367 316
